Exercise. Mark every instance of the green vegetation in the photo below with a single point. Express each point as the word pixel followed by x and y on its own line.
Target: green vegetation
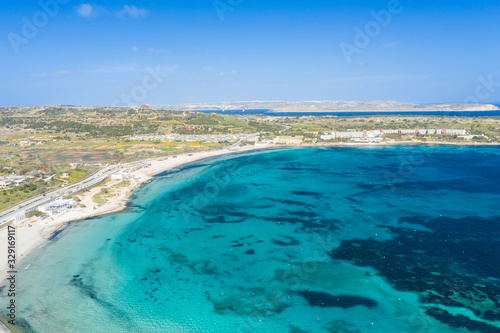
pixel 106 192
pixel 100 198
pixel 91 130
pixel 55 146
pixel 14 195
pixel 314 127
pixel 40 178
pixel 122 184
pixel 34 213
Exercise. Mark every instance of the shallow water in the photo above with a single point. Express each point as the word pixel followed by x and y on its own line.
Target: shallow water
pixel 387 239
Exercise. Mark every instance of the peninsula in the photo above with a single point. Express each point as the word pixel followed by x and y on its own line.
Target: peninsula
pixel 335 106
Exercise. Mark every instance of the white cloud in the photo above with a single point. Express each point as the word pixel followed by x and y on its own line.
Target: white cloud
pixel 133 12
pixel 151 50
pixel 230 73
pixel 51 75
pixel 379 78
pixel 114 69
pixel 129 68
pixel 168 69
pixel 87 10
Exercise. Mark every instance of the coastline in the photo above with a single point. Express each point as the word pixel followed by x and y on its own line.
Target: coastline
pixel 31 237
pixel 28 238
pixel 383 110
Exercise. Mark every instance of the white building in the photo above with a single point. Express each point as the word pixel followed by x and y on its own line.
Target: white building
pixel 456 132
pixel 378 139
pixel 121 176
pixel 470 137
pixel 9 181
pixel 350 134
pixel 290 140
pixel 328 136
pixel 382 132
pixel 57 207
pixel 5 183
pixel 374 134
pixel 20 217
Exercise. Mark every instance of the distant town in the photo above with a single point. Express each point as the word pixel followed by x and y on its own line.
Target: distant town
pixel 377 135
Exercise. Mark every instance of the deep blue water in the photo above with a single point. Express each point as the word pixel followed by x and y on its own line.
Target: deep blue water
pixel 375 239
pixel 350 114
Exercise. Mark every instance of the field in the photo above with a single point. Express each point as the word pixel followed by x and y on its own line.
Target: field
pixel 54 146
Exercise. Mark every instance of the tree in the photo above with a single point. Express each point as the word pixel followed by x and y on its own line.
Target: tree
pixel 34 213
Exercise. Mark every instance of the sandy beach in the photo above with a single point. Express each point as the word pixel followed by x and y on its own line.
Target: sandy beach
pixel 30 236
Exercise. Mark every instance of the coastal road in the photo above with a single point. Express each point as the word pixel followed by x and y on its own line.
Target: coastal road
pixel 236 145
pixel 33 203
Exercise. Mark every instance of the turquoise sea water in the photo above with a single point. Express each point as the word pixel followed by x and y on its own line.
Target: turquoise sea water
pixel 386 239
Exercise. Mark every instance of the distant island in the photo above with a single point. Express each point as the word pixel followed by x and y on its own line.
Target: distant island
pixel 333 106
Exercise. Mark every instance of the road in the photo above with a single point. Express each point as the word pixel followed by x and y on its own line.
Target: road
pixel 96 178
pixel 236 145
pixel 33 203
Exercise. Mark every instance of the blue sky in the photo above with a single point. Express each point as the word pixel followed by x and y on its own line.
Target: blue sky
pixel 195 51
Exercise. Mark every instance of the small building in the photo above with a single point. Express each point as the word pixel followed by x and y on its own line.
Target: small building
pixel 18 181
pixel 289 140
pixel 470 137
pixel 19 217
pixel 5 184
pixel 9 181
pixel 391 131
pixel 57 207
pixel 327 137
pixel 369 139
pixel 120 176
pixel 456 132
pixel 374 134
